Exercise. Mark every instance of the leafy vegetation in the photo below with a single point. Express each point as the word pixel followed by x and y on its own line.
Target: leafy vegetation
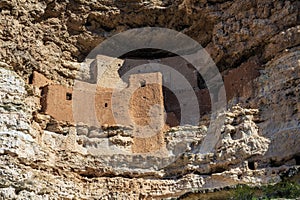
pixel 285 189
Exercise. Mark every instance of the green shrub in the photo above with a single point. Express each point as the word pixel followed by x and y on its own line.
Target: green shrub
pixel 285 189
pixel 244 192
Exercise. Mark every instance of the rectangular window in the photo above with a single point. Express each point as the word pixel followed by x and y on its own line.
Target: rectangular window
pixel 68 96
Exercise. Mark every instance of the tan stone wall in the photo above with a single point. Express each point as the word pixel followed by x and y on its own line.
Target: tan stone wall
pixel 147 93
pixel 39 80
pixel 103 106
pixel 140 102
pixel 148 145
pixel 57 101
pixel 147 110
pixel 108 72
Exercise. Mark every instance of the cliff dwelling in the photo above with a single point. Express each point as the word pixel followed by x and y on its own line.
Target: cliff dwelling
pixel 150 83
pixel 125 99
pixel 129 91
pixel 146 94
pixel 143 82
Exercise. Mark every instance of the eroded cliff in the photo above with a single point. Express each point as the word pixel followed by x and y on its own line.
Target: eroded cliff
pixel 255 45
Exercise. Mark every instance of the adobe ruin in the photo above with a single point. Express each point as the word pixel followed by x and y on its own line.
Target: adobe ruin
pixel 144 92
pixel 137 93
pixel 125 76
pixel 139 105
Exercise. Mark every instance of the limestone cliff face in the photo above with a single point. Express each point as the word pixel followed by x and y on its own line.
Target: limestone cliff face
pixel 255 45
pixel 48 36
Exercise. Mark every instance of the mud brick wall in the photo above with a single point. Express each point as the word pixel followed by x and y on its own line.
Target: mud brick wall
pixel 147 110
pixel 57 101
pixel 103 106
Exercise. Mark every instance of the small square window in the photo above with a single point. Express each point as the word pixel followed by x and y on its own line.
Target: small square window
pixel 69 96
pixel 30 79
pixel 105 105
pixel 143 83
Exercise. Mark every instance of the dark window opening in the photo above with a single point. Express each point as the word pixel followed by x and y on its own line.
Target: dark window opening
pixel 30 80
pixel 88 23
pixel 143 83
pixel 105 105
pixel 43 100
pixel 200 81
pixel 68 96
pixel 44 91
pixel 251 165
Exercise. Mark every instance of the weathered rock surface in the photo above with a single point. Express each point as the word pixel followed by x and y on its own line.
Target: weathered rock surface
pixel 58 166
pixel 278 97
pixel 41 158
pixel 51 37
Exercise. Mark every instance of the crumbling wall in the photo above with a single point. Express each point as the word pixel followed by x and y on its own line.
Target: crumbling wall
pixel 39 80
pixel 108 72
